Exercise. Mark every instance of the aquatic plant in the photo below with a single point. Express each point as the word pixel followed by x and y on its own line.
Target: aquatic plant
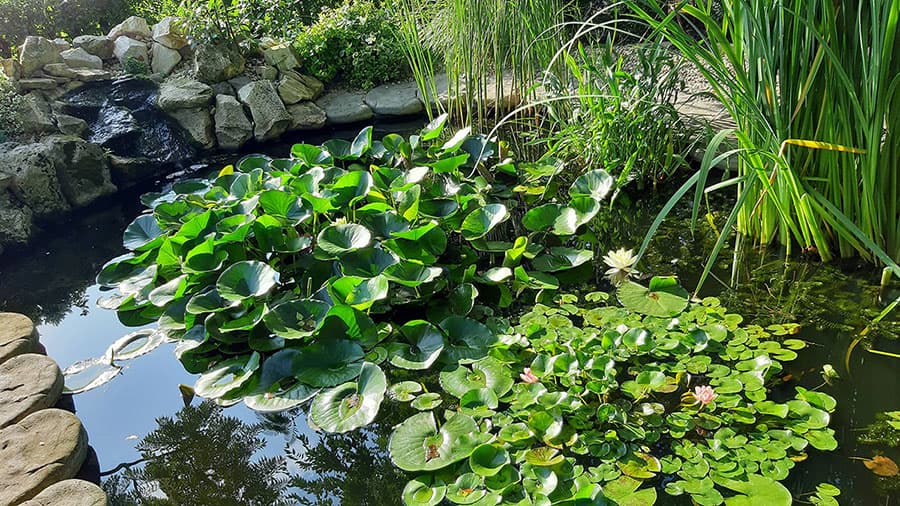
pixel 614 404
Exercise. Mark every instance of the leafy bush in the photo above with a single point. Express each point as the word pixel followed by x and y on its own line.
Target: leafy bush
pixel 355 43
pixel 135 67
pixel 10 101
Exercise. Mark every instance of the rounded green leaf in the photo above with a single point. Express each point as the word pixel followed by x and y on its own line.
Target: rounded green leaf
pixel 487 372
pixel 89 374
pixel 427 401
pixel 285 206
pixel 541 217
pixel 296 319
pixel 338 240
pixel 276 398
pixel 467 489
pixel 327 363
pixel 246 279
pixel 353 404
pixel 411 274
pixel 404 391
pixel 595 184
pixel 425 345
pixel 419 445
pixel 141 232
pixel 424 491
pixel 226 376
pixel 482 220
pixel 488 460
pixel 560 259
pixel 667 299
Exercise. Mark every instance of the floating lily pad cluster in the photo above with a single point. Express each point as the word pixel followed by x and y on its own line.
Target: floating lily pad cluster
pixel 586 402
pixel 284 280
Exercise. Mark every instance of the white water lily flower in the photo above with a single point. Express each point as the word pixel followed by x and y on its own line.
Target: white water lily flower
pixel 620 264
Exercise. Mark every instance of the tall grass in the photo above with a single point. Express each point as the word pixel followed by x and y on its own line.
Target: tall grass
pixel 813 88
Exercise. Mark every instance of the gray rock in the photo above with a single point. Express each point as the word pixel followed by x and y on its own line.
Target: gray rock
pixel 15 228
pixel 114 125
pixel 127 171
pixel 17 336
pixel 28 383
pixel 11 68
pixel 168 33
pixel 37 52
pixel 126 48
pixel 35 114
pixel 294 87
pixel 84 172
pixel 37 83
pixel 70 125
pixel 345 107
pixel 184 93
pixel 267 72
pixel 97 45
pixel 281 56
pixel 197 122
pixel 270 117
pixel 239 82
pixel 45 448
pixel 395 99
pixel 59 70
pixel 134 27
pixel 444 96
pixel 70 493
pixel 90 75
pixel 62 44
pixel 223 88
pixel 233 129
pixel 306 116
pixel 78 58
pixel 163 59
pixel 213 64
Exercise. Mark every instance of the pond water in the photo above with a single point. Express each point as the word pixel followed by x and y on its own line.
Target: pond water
pixel 209 456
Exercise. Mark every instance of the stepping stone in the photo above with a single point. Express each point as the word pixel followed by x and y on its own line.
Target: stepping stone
pixel 345 107
pixel 17 336
pixel 395 99
pixel 70 493
pixel 28 383
pixel 45 448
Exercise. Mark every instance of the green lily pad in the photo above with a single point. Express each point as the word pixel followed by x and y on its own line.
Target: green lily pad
pixel 424 490
pixel 404 391
pixel 664 298
pixel 467 489
pixel 419 445
pixel 427 401
pixel 89 374
pixel 141 232
pixel 296 319
pixel 353 404
pixel 468 339
pixel 285 206
pixel 560 259
pixel 361 293
pixel 136 344
pixel 626 491
pixel 411 274
pixel 488 460
pixel 338 240
pixel 226 376
pixel 595 184
pixel 487 372
pixel 425 346
pixel 482 220
pixel 276 398
pixel 327 363
pixel 246 279
pixel 541 217
pixel 758 490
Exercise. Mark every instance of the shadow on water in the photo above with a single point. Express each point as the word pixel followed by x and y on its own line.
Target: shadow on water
pixel 204 455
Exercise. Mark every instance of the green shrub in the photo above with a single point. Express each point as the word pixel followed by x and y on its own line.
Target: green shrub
pixel 135 67
pixel 355 43
pixel 10 100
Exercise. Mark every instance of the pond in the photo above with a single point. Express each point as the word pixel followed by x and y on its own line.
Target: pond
pixel 210 456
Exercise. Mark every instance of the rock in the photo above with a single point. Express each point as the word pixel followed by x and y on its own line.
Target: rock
pixel 294 87
pixel 28 383
pixel 508 96
pixel 11 68
pixel 35 115
pixel 395 99
pixel 70 493
pixel 37 83
pixel 115 125
pixel 97 45
pixel 78 58
pixel 213 64
pixel 163 60
pixel 90 75
pixel 15 228
pixel 444 98
pixel 84 173
pixel 59 70
pixel 270 117
pixel 45 448
pixel 70 125
pixel 239 82
pixel 306 116
pixel 134 27
pixel 281 56
pixel 17 336
pixel 183 93
pixel 37 52
pixel 223 88
pixel 168 33
pixel 267 72
pixel 233 129
pixel 345 107
pixel 126 171
pixel 62 44
pixel 197 122
pixel 126 48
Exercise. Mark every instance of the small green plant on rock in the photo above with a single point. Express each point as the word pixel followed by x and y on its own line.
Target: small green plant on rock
pixel 135 67
pixel 10 113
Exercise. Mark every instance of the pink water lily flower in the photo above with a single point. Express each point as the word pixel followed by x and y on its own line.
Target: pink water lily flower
pixel 528 376
pixel 705 394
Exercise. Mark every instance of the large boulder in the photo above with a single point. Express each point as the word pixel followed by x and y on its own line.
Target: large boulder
pixel 70 493
pixel 295 87
pixel 233 129
pixel 84 175
pixel 37 52
pixel 70 125
pixel 45 448
pixel 10 68
pixel 168 33
pixel 35 115
pixel 345 107
pixel 306 116
pixel 135 27
pixel 215 63
pixel 97 45
pixel 28 383
pixel 89 75
pixel 79 58
pixel 197 122
pixel 127 48
pixel 17 333
pixel 15 228
pixel 59 70
pixel 39 83
pixel 163 59
pixel 270 117
pixel 281 56
pixel 395 100
pixel 183 93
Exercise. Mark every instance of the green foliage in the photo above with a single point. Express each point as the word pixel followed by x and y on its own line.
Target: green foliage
pixel 10 103
pixel 135 67
pixel 355 43
pixel 609 405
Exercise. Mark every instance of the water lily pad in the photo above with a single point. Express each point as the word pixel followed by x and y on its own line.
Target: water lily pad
pixel 353 404
pixel 361 293
pixel 882 466
pixel 560 259
pixel 296 319
pixel 487 372
pixel 276 398
pixel 419 445
pixel 89 374
pixel 411 274
pixel 467 489
pixel 488 460
pixel 141 232
pixel 338 240
pixel 246 279
pixel 351 188
pixel 425 346
pixel 595 184
pixel 758 490
pixel 541 217
pixel 626 491
pixel 427 401
pixel 136 344
pixel 468 339
pixel 328 363
pixel 664 298
pixel 424 491
pixel 285 206
pixel 404 391
pixel 226 376
pixel 482 220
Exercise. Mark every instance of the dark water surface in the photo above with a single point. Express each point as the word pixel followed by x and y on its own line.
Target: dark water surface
pixel 236 456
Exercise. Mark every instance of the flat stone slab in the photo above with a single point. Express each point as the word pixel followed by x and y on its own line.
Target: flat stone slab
pixel 70 493
pixel 399 99
pixel 45 448
pixel 28 383
pixel 17 336
pixel 345 107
